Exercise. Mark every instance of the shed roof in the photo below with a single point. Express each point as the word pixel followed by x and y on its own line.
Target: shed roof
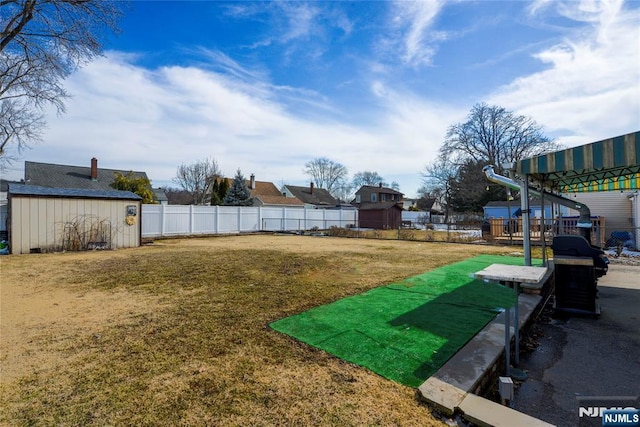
pixel 607 165
pixel 37 191
pixel 380 206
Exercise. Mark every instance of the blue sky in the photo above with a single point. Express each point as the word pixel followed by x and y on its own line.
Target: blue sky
pixel 268 86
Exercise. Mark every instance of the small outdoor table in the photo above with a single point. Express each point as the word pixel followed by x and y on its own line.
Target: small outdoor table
pixel 511 276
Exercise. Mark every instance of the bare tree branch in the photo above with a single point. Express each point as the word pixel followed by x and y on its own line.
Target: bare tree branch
pixel 367 178
pixel 41 43
pixel 494 135
pixel 326 173
pixel 198 178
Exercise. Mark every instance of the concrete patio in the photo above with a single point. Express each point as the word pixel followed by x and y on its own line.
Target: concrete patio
pixel 575 356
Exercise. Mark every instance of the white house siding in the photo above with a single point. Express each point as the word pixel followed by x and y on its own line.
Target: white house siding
pixel 615 206
pixel 38 222
pixel 635 203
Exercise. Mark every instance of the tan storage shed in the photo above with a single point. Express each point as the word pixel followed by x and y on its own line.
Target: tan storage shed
pixel 43 219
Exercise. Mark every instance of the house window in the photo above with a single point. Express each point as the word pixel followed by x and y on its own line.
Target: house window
pixel 373 197
pixel 383 197
pixel 358 198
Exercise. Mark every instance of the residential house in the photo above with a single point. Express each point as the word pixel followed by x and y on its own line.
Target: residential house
pixel 312 197
pixel 617 207
pixel 265 193
pixel 80 177
pixel 424 213
pixel 378 207
pixel 410 204
pixel 160 196
pixel 511 209
pixel 432 206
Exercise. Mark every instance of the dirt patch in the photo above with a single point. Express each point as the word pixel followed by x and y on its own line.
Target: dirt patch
pixel 41 316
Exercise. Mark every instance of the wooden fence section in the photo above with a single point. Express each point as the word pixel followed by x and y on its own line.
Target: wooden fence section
pixel 506 229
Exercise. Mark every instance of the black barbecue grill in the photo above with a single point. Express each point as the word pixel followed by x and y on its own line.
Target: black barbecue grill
pixel 578 265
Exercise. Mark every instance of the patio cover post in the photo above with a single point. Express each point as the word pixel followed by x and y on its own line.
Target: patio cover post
pixel 524 206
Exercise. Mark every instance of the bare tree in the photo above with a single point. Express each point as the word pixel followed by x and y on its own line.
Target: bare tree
pixel 494 135
pixel 326 173
pixel 343 191
pixel 366 178
pixel 41 43
pixel 198 178
pixel 438 179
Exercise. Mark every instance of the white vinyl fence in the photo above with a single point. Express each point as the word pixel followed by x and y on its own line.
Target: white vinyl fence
pixel 180 220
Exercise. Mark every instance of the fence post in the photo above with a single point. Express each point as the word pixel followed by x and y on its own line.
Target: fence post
pixel 162 220
pixel 239 218
pixel 259 218
pixel 304 216
pixel 215 219
pixel 325 226
pixel 284 219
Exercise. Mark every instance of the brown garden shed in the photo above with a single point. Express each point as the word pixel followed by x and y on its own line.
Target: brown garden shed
pixel 43 219
pixel 385 215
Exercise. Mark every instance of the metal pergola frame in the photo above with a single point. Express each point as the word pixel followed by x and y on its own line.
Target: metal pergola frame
pixel 608 165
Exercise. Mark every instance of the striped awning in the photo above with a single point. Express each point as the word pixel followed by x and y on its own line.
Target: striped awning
pixel 607 165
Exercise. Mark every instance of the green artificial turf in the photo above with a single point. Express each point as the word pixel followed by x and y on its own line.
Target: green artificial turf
pixel 406 331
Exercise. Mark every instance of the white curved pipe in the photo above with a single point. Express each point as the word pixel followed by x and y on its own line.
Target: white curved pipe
pixel 584 221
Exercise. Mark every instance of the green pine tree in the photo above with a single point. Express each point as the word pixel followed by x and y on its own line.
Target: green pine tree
pixel 215 198
pixel 223 187
pixel 238 194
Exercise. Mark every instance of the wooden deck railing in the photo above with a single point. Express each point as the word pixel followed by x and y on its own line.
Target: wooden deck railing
pixel 503 228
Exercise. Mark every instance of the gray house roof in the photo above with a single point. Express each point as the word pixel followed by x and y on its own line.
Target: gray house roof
pixel 368 189
pixel 65 176
pixel 161 196
pixel 313 196
pixel 35 190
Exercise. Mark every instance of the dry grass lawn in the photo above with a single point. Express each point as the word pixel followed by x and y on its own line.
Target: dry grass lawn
pixel 176 333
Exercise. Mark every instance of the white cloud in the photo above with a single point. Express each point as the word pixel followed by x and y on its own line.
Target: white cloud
pixel 300 20
pixel 132 118
pixel 413 20
pixel 591 89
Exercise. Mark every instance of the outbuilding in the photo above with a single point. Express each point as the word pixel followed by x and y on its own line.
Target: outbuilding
pixel 44 219
pixel 380 216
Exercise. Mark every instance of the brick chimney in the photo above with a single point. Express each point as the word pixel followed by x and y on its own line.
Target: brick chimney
pixel 380 186
pixel 94 169
pixel 311 188
pixel 252 182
